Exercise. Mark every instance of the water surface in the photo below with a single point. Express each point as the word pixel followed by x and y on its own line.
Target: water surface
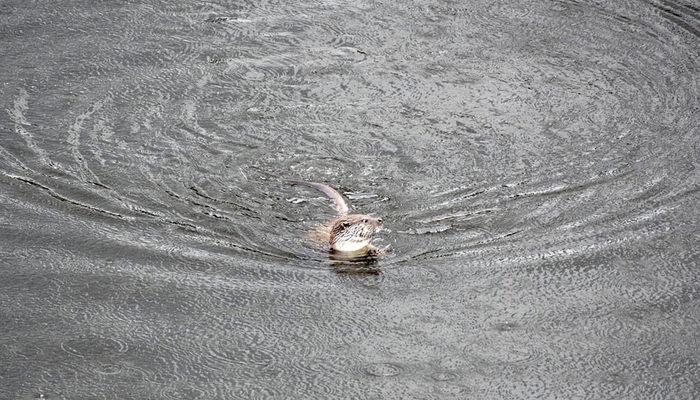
pixel 535 162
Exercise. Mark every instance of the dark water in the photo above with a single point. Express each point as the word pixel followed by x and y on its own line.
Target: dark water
pixel 536 163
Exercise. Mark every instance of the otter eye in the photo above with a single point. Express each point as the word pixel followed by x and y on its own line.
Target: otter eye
pixel 365 220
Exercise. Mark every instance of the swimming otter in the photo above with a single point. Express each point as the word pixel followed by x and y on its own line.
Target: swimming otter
pixel 349 233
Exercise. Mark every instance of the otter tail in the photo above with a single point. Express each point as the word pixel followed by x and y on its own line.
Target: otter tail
pixel 339 201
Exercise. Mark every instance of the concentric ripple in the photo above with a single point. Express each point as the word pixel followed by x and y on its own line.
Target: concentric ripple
pixel 535 164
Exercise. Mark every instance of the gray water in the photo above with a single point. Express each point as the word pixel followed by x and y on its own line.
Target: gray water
pixel 535 162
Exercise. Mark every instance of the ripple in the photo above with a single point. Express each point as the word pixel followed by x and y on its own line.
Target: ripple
pixel 109 369
pixel 444 376
pixel 535 163
pixel 240 346
pixel 94 346
pixel 685 16
pixel 383 369
pixel 23 128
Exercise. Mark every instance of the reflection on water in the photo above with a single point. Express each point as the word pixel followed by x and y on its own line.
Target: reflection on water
pixel 535 162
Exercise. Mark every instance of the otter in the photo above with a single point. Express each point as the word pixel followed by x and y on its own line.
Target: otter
pixel 349 234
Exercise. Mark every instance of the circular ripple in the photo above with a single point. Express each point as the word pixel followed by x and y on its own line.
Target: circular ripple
pixel 382 369
pixel 109 369
pixel 94 346
pixel 523 149
pixel 444 376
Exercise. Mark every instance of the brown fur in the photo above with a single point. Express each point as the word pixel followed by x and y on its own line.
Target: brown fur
pixel 348 231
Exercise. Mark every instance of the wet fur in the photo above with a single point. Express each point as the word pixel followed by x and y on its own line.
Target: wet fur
pixel 349 234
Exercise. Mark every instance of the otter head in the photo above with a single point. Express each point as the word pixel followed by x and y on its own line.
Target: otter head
pixel 352 233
